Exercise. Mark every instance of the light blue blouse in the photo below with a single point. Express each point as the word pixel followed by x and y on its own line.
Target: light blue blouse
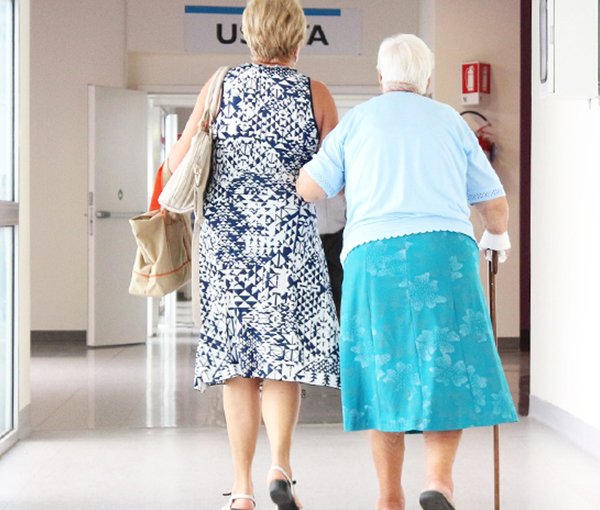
pixel 408 164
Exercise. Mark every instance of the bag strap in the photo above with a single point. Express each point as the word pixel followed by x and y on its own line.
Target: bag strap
pixel 211 108
pixel 166 172
pixel 161 178
pixel 213 98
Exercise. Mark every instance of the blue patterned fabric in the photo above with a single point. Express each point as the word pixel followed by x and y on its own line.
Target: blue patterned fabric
pixel 266 302
pixel 417 349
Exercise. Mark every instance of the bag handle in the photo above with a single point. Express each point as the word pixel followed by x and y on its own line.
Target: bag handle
pixel 211 108
pixel 213 98
pixel 166 172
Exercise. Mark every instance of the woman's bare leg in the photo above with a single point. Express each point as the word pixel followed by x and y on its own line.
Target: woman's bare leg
pixel 388 455
pixel 440 453
pixel 280 409
pixel 241 401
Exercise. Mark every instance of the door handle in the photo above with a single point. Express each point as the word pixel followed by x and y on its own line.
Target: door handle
pixel 102 215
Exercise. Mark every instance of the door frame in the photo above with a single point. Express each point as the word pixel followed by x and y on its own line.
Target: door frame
pixel 525 206
pixel 9 217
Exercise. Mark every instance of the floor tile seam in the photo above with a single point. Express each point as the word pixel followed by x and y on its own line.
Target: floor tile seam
pixel 43 412
pixel 101 368
pixel 113 361
pixel 48 396
pixel 57 409
pixel 108 359
pixel 54 409
pixel 132 412
pixel 84 358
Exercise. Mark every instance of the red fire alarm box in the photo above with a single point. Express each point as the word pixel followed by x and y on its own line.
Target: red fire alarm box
pixel 476 80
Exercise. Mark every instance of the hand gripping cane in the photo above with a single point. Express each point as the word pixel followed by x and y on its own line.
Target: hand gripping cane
pixel 492 271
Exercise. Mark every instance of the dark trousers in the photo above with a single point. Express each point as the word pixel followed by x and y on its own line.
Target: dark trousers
pixel 332 245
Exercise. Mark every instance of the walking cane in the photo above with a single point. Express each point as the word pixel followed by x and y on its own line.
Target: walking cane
pixel 492 271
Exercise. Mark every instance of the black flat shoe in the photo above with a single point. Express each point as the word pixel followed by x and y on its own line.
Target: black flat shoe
pixel 435 500
pixel 282 492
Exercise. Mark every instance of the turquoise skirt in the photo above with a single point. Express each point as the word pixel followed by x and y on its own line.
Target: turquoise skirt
pixel 417 350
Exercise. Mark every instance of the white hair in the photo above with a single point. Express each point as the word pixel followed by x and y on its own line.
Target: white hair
pixel 405 63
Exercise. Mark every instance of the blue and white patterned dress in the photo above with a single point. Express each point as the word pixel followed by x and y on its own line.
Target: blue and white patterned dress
pixel 266 302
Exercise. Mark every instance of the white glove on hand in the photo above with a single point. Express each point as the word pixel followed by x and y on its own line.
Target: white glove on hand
pixel 495 242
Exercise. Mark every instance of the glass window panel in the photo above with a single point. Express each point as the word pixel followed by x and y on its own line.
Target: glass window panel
pixel 7 233
pixel 6 328
pixel 6 100
pixel 543 41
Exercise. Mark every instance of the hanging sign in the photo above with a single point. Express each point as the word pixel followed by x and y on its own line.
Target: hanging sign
pixel 210 29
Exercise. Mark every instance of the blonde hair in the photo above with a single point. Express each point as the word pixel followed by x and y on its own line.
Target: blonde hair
pixel 405 63
pixel 273 29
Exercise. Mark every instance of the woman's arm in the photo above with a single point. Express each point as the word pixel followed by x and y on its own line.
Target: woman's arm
pixel 308 189
pixel 494 214
pixel 179 150
pixel 326 117
pixel 326 114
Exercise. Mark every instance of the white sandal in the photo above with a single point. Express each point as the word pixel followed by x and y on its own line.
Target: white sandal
pixel 233 497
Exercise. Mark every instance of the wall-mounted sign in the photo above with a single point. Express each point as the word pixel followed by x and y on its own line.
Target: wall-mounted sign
pixel 209 29
pixel 476 81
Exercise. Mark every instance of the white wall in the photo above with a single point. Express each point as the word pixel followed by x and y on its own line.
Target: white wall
pixel 157 57
pixel 565 301
pixel 73 44
pixel 481 30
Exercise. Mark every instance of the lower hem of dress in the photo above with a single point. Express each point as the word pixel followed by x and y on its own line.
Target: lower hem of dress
pixel 420 430
pixel 202 386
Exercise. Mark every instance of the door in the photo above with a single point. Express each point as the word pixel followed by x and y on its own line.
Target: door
pixel 9 230
pixel 118 167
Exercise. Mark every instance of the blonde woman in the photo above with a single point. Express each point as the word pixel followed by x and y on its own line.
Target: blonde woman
pixel 268 315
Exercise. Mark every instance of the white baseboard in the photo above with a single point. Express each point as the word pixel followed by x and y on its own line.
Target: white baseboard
pixel 25 428
pixel 22 431
pixel 577 431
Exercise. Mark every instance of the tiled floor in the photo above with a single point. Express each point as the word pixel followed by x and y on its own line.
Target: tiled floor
pixel 120 428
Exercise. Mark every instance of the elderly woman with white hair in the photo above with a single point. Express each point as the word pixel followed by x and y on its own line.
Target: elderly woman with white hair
pixel 417 352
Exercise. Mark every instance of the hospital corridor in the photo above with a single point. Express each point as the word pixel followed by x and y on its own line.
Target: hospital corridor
pixel 491 146
pixel 122 428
